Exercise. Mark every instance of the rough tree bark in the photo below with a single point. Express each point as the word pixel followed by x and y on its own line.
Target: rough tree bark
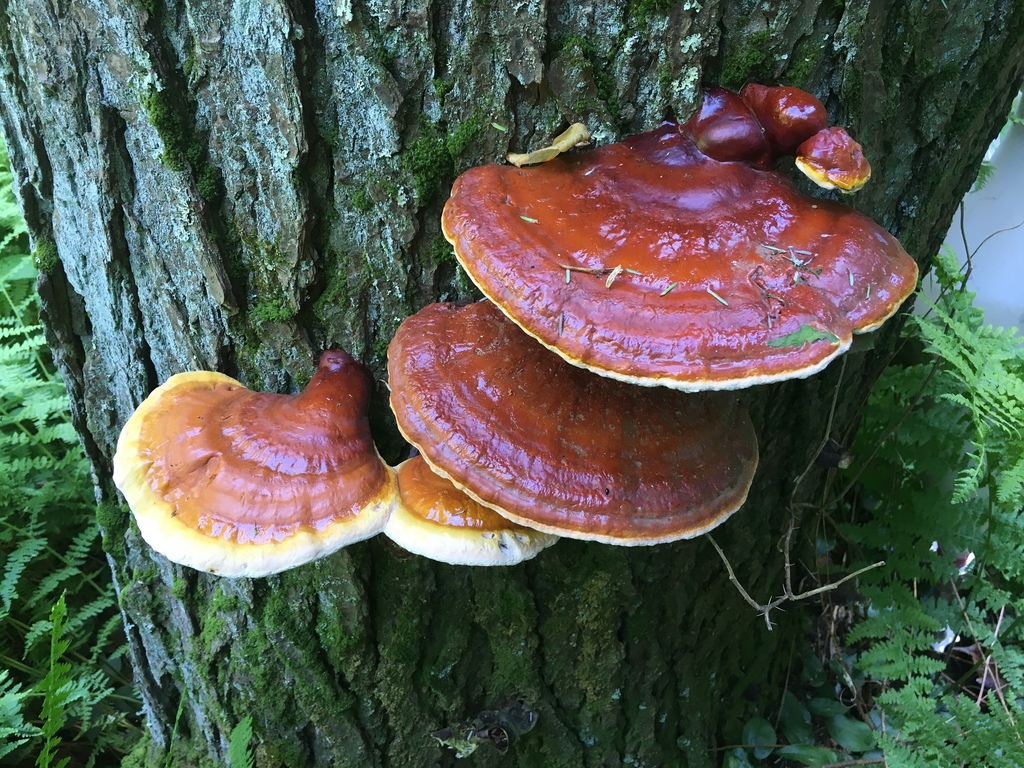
pixel 235 185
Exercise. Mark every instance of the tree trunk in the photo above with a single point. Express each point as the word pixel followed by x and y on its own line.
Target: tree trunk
pixel 238 185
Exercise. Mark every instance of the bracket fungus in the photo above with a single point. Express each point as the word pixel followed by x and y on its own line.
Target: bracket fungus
pixel 437 520
pixel 241 483
pixel 555 448
pixel 650 262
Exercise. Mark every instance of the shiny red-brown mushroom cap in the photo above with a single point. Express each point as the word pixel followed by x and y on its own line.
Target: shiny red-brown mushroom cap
pixel 555 448
pixel 241 483
pixel 437 520
pixel 789 116
pixel 724 128
pixel 833 160
pixel 651 263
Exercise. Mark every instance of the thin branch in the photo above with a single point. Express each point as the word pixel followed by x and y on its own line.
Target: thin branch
pixel 736 582
pixel 968 253
pixel 766 608
pixel 828 429
pixel 985 668
pixel 785 687
pixel 973 253
pixel 988 656
pixel 832 585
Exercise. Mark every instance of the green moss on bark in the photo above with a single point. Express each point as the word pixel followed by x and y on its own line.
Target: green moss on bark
pixel 336 293
pixel 441 251
pixel 751 61
pixel 267 270
pixel 409 585
pixel 179 588
pixel 464 134
pixel 185 148
pixel 503 606
pixel 583 56
pixel 803 62
pixel 218 606
pixel 113 520
pixel 44 255
pixel 360 199
pixel 272 311
pixel 280 647
pixel 645 9
pixel 428 162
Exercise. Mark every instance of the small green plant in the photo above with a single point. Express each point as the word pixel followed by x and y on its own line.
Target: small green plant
pixel 941 639
pixel 924 664
pixel 14 731
pixel 809 716
pixel 56 688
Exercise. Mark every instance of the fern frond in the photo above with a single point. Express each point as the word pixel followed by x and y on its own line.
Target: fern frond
pixel 91 610
pixel 36 632
pixel 969 479
pixel 86 688
pixel 101 641
pixel 985 172
pixel 892 660
pixel 27 550
pixel 987 739
pixel 28 464
pixel 43 591
pixel 239 753
pixel 14 731
pixel 55 688
pixel 82 546
pixel 1010 483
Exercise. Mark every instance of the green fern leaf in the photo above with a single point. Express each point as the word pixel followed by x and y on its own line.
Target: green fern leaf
pixel 55 688
pixel 14 731
pixel 985 172
pixel 27 550
pixel 239 753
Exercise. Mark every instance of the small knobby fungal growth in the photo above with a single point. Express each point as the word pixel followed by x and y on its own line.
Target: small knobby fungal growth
pixel 435 519
pixel 576 135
